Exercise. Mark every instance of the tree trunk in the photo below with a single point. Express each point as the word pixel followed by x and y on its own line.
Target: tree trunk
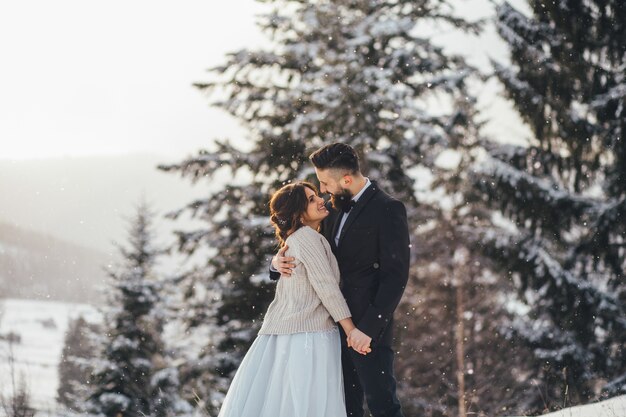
pixel 460 349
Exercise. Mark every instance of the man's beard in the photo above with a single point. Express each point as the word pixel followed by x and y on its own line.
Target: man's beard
pixel 341 199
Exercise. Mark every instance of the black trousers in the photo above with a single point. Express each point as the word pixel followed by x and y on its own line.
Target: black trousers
pixel 370 376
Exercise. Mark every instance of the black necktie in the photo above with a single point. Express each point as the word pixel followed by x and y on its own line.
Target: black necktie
pixel 349 206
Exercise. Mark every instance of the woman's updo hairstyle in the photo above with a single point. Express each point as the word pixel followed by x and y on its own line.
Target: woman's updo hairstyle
pixel 287 206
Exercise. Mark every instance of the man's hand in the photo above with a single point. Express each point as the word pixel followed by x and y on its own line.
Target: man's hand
pixel 283 264
pixel 359 341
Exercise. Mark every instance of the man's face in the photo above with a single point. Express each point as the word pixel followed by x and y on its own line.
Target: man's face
pixel 331 182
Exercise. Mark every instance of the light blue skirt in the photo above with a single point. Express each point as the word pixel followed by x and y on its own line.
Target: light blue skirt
pixel 292 375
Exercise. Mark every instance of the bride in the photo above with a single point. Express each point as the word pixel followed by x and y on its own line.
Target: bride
pixel 293 368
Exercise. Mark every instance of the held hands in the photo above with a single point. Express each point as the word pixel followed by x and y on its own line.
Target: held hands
pixel 359 341
pixel 283 264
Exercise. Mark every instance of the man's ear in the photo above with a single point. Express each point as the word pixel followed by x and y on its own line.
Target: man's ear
pixel 346 180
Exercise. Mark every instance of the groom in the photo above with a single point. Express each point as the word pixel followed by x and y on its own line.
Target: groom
pixel 368 233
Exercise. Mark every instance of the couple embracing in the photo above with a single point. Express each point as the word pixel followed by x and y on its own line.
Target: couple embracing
pixel 345 262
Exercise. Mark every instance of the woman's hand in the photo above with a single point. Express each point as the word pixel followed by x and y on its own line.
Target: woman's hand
pixel 283 264
pixel 359 341
pixel 348 327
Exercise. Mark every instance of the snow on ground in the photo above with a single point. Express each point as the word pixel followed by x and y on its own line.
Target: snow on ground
pixel 41 325
pixel 613 407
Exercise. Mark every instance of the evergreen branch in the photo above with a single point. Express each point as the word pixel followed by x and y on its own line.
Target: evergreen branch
pixel 526 197
pixel 542 163
pixel 599 243
pixel 558 290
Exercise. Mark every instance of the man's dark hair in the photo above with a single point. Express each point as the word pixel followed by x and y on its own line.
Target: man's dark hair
pixel 336 155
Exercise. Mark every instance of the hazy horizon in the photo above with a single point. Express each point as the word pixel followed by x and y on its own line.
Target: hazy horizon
pixel 85 200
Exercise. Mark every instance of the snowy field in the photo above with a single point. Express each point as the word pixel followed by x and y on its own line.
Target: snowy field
pixel 41 325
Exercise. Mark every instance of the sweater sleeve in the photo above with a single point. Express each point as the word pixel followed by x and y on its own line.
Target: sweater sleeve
pixel 317 262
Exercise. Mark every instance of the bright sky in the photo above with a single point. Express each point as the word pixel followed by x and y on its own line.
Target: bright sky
pixel 84 77
pixel 80 77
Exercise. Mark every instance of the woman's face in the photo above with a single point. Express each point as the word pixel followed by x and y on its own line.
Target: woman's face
pixel 315 210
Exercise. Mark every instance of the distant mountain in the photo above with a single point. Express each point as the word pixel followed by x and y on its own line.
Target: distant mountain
pixel 86 200
pixel 38 266
pixel 61 216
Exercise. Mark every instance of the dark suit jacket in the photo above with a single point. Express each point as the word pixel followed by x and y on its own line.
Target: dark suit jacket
pixel 373 257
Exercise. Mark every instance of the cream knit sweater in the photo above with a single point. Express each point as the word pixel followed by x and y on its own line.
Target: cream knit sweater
pixel 310 299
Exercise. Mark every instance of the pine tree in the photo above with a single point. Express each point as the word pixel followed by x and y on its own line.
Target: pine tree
pixel 564 195
pixel 75 367
pixel 453 318
pixel 131 377
pixel 350 71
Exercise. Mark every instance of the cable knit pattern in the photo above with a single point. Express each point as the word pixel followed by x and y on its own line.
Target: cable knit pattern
pixel 310 299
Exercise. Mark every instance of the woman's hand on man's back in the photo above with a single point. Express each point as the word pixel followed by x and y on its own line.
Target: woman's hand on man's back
pixel 283 264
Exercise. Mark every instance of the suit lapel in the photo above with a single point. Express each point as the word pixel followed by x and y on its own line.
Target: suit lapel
pixel 358 207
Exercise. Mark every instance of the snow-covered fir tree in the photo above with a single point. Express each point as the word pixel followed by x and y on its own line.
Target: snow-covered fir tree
pixel 75 365
pixel 131 376
pixel 564 195
pixel 453 318
pixel 350 71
